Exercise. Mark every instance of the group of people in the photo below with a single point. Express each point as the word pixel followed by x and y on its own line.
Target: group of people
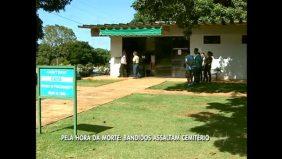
pixel 198 67
pixel 135 61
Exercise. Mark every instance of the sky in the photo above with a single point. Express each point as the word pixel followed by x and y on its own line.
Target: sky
pixel 81 12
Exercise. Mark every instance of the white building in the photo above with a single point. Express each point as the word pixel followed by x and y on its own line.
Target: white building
pixel 161 44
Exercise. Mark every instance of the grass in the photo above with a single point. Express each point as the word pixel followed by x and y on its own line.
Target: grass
pixel 213 87
pixel 224 119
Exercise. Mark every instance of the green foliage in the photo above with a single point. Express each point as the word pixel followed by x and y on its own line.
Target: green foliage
pixel 60 61
pixel 142 18
pixel 51 47
pixel 78 52
pixel 60 46
pixel 49 6
pixel 85 71
pixel 102 56
pixel 55 35
pixel 188 13
pixel 45 54
pixel 52 5
pixel 42 61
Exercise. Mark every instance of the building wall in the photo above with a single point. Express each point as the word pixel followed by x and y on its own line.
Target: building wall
pixel 116 51
pixel 230 55
pixel 172 31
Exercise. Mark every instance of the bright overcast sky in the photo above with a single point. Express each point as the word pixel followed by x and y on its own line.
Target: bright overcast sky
pixel 90 12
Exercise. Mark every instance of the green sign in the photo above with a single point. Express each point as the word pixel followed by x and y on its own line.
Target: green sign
pixel 57 82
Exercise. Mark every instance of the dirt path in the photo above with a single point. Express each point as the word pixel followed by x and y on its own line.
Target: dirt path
pixel 89 97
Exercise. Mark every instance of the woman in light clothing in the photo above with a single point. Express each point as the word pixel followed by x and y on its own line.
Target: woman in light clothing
pixel 135 60
pixel 123 63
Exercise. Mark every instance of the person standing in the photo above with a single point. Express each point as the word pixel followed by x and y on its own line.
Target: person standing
pixel 123 64
pixel 189 61
pixel 197 66
pixel 135 61
pixel 207 67
pixel 202 68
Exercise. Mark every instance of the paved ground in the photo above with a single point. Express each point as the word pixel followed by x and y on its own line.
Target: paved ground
pixel 89 97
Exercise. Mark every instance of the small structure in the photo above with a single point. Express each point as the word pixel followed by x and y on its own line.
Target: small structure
pixel 164 46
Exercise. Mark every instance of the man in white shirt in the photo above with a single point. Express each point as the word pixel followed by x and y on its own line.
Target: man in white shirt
pixel 135 61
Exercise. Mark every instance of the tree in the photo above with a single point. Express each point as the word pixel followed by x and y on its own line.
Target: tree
pixel 45 54
pixel 188 13
pixel 78 52
pixel 142 17
pixel 49 6
pixel 102 56
pixel 56 35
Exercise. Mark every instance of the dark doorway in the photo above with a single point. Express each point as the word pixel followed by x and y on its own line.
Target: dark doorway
pixel 168 62
pixel 130 44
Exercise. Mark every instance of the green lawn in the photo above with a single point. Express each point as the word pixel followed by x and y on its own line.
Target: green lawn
pixel 224 119
pixel 213 87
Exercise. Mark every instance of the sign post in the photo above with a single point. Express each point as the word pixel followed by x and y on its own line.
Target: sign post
pixel 57 82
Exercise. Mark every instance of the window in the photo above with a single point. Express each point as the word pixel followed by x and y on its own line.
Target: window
pixel 211 39
pixel 244 39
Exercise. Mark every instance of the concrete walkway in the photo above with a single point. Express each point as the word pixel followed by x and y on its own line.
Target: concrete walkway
pixel 89 97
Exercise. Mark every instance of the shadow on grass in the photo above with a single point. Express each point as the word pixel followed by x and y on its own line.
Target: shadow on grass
pixel 89 128
pixel 232 130
pixel 213 87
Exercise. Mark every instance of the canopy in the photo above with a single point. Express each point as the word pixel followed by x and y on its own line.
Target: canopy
pixel 131 32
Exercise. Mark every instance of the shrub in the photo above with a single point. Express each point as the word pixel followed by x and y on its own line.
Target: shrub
pixel 85 71
pixel 102 70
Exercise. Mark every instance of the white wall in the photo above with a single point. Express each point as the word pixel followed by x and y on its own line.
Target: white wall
pixel 231 52
pixel 116 51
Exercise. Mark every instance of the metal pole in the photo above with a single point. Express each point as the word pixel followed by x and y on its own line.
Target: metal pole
pixel 39 115
pixel 39 102
pixel 75 104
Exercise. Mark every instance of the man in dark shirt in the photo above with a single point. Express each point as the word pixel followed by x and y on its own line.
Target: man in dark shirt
pixel 197 66
pixel 207 67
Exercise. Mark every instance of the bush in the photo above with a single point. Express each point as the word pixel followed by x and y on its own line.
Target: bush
pixel 42 61
pixel 102 70
pixel 85 71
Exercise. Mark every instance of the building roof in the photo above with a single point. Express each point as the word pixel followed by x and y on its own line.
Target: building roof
pixel 137 29
pixel 145 25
